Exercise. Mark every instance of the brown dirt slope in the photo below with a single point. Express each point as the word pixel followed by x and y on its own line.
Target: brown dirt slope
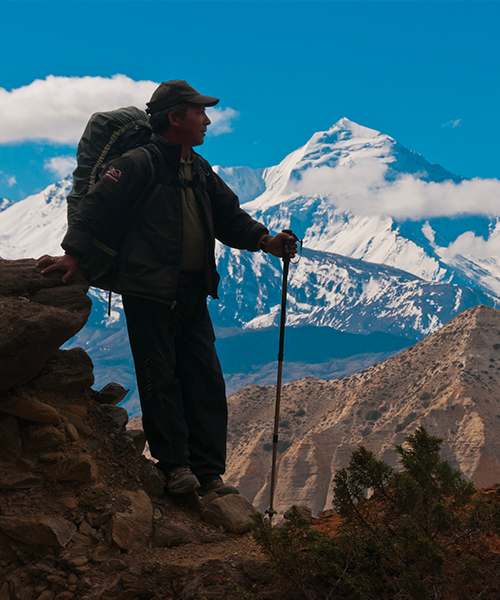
pixel 83 513
pixel 449 383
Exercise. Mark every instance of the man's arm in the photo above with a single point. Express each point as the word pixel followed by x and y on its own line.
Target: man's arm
pixel 236 228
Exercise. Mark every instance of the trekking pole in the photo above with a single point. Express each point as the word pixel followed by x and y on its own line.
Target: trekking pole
pixel 286 265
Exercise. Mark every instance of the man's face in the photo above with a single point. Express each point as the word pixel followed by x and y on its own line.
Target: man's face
pixel 190 130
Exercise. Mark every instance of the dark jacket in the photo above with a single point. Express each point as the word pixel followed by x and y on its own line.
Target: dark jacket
pixel 150 256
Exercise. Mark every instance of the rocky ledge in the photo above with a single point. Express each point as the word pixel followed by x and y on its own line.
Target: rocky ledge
pixel 83 513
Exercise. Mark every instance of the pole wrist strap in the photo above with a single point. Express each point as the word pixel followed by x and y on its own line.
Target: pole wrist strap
pixel 263 242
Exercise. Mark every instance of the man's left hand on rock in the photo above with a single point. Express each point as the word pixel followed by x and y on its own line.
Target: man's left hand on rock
pixel 65 263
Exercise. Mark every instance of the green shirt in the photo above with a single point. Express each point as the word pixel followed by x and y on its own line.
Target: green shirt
pixel 193 232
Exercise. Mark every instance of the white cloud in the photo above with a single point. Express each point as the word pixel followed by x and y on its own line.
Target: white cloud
pixel 468 244
pixel 222 120
pixel 57 109
pixel 62 166
pixel 452 124
pixel 11 180
pixel 362 188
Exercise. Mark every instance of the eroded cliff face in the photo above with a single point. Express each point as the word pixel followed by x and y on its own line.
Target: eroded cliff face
pixel 449 383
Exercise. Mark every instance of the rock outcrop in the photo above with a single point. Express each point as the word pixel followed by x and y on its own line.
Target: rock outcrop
pixel 83 513
pixel 38 314
pixel 449 383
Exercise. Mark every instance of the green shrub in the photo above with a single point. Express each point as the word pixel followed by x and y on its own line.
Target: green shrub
pixel 405 546
pixel 424 396
pixel 409 419
pixel 284 445
pixel 299 413
pixel 309 563
pixel 373 415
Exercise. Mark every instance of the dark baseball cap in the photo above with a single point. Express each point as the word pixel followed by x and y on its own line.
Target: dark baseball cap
pixel 170 93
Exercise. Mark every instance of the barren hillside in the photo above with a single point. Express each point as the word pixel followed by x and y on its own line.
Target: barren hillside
pixel 448 382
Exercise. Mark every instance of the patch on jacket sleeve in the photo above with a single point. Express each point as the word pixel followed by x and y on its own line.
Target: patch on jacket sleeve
pixel 113 173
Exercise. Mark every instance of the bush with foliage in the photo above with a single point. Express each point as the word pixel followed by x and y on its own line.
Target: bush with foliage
pixel 414 539
pixel 373 415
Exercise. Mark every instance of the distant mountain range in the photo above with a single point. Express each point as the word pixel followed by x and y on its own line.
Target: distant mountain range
pixel 364 269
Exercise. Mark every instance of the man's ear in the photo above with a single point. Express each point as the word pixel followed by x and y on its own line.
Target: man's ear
pixel 173 119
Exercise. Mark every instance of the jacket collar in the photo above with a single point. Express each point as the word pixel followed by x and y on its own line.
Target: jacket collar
pixel 172 152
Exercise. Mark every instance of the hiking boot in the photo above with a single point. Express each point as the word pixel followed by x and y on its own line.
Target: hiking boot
pixel 181 481
pixel 217 486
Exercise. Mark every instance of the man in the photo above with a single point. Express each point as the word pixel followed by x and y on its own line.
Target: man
pixel 166 270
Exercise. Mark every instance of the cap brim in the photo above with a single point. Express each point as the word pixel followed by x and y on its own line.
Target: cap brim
pixel 205 100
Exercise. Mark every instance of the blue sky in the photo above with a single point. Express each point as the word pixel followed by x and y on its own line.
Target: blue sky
pixel 425 73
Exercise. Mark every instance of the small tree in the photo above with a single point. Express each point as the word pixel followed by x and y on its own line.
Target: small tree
pixel 412 540
pixel 431 507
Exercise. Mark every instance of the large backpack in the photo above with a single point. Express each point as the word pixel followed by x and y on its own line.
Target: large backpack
pixel 106 136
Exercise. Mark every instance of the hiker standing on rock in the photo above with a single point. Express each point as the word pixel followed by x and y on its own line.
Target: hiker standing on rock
pixel 166 269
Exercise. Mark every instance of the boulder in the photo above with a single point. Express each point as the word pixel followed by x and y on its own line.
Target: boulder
pixel 76 421
pixel 72 432
pixel 116 417
pixel 79 467
pixel 105 552
pixel 38 438
pixel 138 438
pixel 132 529
pixel 66 371
pixel 153 480
pixel 233 512
pixel 24 405
pixel 39 531
pixel 112 393
pixel 168 536
pixel 12 478
pixel 39 314
pixel 76 409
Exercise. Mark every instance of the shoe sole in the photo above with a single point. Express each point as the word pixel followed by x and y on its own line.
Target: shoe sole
pixel 176 491
pixel 185 483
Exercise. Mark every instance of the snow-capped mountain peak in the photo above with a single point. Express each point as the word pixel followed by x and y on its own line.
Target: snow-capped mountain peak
pixel 36 225
pixel 344 130
pixel 333 192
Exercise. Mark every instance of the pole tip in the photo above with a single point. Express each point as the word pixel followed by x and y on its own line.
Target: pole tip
pixel 271 512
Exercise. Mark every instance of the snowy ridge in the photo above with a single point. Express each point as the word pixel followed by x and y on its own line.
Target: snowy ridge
pixel 327 289
pixel 36 225
pixel 363 270
pixel 246 183
pixel 298 197
pixel 330 285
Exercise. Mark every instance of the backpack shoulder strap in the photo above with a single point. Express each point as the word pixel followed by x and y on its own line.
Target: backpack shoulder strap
pixel 153 156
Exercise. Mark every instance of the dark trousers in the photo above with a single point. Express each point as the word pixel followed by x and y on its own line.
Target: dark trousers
pixel 181 387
